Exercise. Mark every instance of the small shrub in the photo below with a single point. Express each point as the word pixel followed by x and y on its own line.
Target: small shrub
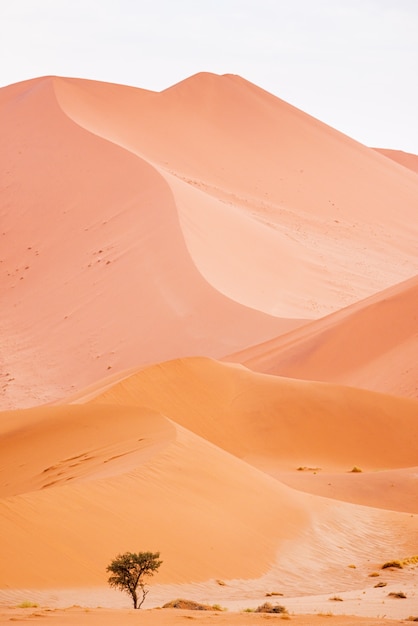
pixel 396 563
pixel 374 574
pixel 221 583
pixel 397 594
pixel 191 605
pixel 336 599
pixel 356 470
pixel 273 593
pixel 27 604
pixel 248 610
pixel 381 584
pixel 352 566
pixel 267 607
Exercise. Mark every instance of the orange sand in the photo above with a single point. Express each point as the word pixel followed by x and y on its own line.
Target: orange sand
pixel 209 318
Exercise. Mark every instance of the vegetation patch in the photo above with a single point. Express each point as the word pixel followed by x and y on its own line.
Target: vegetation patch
pixel 381 584
pixel 269 594
pixel 396 563
pixel 26 604
pixel 336 599
pixel 267 607
pixel 191 605
pixel 356 470
pixel 397 594
pixel 400 563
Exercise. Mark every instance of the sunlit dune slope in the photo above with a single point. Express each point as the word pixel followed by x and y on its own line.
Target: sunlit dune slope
pixel 275 421
pixel 95 274
pixel 279 211
pixel 90 480
pixel 372 344
pixel 122 479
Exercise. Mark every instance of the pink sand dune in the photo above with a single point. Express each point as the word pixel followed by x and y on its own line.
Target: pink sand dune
pixel 252 173
pixel 92 247
pixel 205 218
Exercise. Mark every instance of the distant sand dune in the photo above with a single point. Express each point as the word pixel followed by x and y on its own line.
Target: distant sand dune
pixel 372 344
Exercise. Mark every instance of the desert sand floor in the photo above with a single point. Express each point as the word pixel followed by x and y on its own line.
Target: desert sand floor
pixel 173 617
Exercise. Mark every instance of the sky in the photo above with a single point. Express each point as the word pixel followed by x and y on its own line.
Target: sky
pixel 353 64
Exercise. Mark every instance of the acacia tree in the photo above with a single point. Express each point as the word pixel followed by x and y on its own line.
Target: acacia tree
pixel 128 572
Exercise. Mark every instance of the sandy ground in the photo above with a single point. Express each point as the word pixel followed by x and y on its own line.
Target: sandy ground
pixel 173 617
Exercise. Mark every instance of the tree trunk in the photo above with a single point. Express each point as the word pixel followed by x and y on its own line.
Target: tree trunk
pixel 135 599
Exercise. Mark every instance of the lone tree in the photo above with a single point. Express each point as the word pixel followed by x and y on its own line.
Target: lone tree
pixel 128 571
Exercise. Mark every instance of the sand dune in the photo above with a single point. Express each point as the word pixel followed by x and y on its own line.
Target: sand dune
pixel 208 320
pixel 371 344
pixel 404 158
pixel 101 476
pixel 92 246
pixel 317 236
pixel 292 423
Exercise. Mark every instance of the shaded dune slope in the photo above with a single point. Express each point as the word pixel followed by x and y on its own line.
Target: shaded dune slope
pixel 372 344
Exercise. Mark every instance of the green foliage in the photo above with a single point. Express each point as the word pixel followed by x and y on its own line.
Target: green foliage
pixel 128 571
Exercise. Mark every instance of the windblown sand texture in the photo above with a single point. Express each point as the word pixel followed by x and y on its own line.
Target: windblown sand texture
pixel 209 319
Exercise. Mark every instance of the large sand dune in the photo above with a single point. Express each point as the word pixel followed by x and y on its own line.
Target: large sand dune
pixel 208 320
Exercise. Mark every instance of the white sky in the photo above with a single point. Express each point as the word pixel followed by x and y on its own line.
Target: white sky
pixel 351 63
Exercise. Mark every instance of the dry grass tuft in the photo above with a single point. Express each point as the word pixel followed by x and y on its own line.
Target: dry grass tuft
pixel 356 470
pixel 269 594
pixel 191 605
pixel 336 599
pixel 397 564
pixel 267 607
pixel 381 584
pixel 397 594
pixel 400 563
pixel 27 604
